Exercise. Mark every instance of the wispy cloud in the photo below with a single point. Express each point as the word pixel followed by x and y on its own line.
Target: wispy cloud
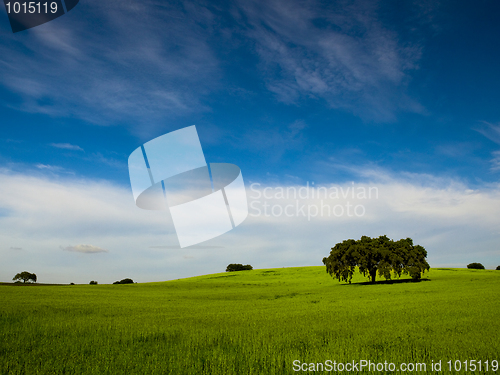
pixel 126 67
pixel 495 162
pixel 490 131
pixel 153 60
pixel 112 162
pixel 273 140
pixel 66 146
pixel 338 52
pixel 15 248
pixel 53 168
pixel 456 150
pixel 191 247
pixel 87 249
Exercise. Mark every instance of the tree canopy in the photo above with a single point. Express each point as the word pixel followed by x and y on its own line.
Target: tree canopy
pixel 475 266
pixel 25 276
pixel 376 255
pixel 238 267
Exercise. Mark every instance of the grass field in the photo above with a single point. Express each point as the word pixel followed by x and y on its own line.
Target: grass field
pixel 250 322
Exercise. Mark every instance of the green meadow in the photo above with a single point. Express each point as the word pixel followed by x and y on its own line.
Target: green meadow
pixel 251 322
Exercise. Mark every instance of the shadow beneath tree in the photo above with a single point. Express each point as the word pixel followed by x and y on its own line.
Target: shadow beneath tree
pixel 397 281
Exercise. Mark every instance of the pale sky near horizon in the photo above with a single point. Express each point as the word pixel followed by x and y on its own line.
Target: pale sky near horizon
pixel 401 97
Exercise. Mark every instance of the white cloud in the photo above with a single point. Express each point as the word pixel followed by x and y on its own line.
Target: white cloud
pixel 454 223
pixel 490 131
pixel 146 60
pixel 67 146
pixel 55 169
pixel 134 61
pixel 340 53
pixel 495 161
pixel 86 249
pixel 274 141
pixel 457 225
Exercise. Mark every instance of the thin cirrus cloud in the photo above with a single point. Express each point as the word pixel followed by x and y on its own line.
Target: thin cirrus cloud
pixel 67 146
pixel 490 131
pixel 275 142
pixel 123 70
pixel 347 58
pixel 495 162
pixel 86 249
pixel 119 68
pixel 55 169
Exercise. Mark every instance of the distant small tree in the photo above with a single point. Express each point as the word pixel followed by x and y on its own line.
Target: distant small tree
pixel 124 281
pixel 498 268
pixel 25 276
pixel 475 266
pixel 238 267
pixel 93 282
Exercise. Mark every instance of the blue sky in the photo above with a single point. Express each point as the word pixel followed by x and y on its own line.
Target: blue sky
pixel 398 95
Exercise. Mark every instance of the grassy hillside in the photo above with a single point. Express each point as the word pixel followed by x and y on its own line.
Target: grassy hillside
pixel 250 322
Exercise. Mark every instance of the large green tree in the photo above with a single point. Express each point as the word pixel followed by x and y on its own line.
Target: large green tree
pixel 376 255
pixel 25 276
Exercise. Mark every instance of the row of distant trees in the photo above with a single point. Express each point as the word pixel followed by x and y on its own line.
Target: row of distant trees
pixel 124 281
pixel 370 255
pixel 26 276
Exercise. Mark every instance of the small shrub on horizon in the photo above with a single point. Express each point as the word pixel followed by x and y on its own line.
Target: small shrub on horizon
pixel 475 266
pixel 238 267
pixel 498 268
pixel 93 282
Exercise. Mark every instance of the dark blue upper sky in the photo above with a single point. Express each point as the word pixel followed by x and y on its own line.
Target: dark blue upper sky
pixel 280 88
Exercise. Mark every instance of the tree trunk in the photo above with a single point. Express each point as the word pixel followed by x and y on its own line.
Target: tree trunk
pixel 373 274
